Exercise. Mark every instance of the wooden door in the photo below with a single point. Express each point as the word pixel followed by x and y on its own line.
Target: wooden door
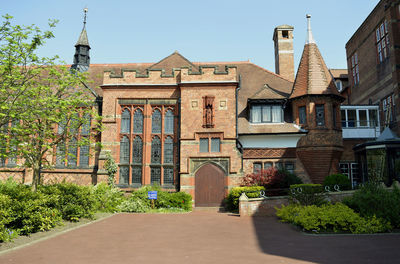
pixel 209 186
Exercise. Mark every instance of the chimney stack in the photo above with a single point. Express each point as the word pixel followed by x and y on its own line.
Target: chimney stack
pixel 284 59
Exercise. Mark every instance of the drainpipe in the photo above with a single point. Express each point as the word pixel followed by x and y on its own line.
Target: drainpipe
pixel 238 144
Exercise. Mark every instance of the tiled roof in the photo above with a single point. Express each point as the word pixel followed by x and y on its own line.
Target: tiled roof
pixel 313 77
pixel 255 82
pixel 339 73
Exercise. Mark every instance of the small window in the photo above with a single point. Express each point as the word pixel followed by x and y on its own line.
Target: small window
pixel 320 115
pixel 373 119
pixel 266 114
pixel 257 167
pixel 215 145
pixel 203 144
pixel 279 165
pixel 334 116
pixel 339 85
pixel 302 115
pixel 267 165
pixel 285 34
pixel 289 166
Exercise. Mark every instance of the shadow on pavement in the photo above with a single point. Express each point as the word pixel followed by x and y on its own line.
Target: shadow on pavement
pixel 285 240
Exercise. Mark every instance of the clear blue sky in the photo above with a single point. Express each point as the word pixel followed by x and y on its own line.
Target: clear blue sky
pixel 126 31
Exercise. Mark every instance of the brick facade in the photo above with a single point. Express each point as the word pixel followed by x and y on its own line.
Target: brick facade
pixel 379 78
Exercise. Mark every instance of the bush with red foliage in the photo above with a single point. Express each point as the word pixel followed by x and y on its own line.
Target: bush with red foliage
pixel 269 178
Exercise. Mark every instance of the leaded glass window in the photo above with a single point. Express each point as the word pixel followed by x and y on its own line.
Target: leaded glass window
pixel 215 145
pixel 169 122
pixel 168 150
pixel 155 174
pixel 168 176
pixel 302 115
pixel 156 122
pixel 124 150
pixel 124 175
pixel 320 115
pixel 138 122
pixel 136 174
pixel 60 154
pixel 126 121
pixel 84 156
pixel 86 126
pixel 203 144
pixel 72 152
pixel 61 126
pixel 137 150
pixel 156 150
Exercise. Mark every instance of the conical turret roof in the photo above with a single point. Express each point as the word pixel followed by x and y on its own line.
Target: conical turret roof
pixel 313 76
pixel 83 39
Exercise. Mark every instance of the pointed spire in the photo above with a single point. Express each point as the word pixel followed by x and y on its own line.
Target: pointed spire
pixel 83 38
pixel 310 38
pixel 313 76
pixel 82 47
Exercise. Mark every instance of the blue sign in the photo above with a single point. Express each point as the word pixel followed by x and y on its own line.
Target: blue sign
pixel 152 195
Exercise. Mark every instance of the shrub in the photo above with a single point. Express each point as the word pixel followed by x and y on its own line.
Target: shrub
pixel 340 179
pixel 232 201
pixel 164 199
pixel 133 206
pixel 307 194
pixel 108 197
pixel 5 218
pixel 372 199
pixel 174 200
pixel 73 201
pixel 331 218
pixel 270 177
pixel 31 216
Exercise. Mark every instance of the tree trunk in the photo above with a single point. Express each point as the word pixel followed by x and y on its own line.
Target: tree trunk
pixel 35 179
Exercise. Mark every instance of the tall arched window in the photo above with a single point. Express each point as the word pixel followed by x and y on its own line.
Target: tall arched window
pixel 169 122
pixel 126 121
pixel 156 150
pixel 137 150
pixel 156 122
pixel 138 122
pixel 124 151
pixel 168 150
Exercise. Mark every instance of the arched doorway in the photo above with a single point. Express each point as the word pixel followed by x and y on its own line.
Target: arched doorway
pixel 209 186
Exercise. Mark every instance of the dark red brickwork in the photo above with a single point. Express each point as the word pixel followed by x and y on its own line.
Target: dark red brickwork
pixel 269 153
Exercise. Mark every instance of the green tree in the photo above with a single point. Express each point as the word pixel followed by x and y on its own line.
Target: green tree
pixel 45 102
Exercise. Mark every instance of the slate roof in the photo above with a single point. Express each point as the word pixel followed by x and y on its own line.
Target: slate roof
pixel 83 39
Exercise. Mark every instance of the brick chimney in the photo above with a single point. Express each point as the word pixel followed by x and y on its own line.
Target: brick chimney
pixel 284 60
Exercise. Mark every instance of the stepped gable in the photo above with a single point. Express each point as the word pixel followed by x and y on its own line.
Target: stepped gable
pixel 313 77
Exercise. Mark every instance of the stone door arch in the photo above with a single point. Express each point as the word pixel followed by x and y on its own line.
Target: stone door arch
pixel 209 186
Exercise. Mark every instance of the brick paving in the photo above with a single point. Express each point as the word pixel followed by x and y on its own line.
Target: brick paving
pixel 202 237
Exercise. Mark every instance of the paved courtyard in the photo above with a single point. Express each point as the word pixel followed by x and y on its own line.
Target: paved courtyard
pixel 202 237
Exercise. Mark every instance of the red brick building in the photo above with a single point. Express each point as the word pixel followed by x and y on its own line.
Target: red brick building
pixel 200 127
pixel 373 59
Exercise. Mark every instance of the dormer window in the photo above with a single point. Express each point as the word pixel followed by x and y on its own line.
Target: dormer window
pixel 266 113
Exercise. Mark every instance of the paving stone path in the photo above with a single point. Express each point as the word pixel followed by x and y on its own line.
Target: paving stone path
pixel 202 237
